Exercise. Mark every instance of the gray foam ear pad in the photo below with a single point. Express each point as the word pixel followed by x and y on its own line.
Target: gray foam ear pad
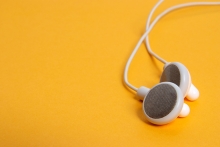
pixel 171 74
pixel 160 101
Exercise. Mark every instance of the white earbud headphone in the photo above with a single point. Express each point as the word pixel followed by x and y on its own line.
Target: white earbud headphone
pixel 165 101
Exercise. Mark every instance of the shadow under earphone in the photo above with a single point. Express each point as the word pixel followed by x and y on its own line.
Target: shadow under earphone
pixel 185 99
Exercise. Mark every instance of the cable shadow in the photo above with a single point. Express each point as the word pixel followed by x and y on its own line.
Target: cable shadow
pixel 155 65
pixel 153 61
pixel 125 86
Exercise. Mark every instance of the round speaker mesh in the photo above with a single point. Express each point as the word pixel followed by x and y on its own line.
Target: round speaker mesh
pixel 171 74
pixel 160 101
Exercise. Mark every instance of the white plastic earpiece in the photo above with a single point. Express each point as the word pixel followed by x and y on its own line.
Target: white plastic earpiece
pixel 185 111
pixel 142 92
pixel 193 93
pixel 177 73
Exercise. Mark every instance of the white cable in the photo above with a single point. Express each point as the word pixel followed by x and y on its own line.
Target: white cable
pixel 135 51
pixel 167 11
pixel 147 38
pixel 150 28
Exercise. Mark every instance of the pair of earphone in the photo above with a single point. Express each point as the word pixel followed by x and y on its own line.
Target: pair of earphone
pixel 164 102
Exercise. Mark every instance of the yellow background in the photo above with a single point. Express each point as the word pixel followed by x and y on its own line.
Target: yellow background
pixel 61 67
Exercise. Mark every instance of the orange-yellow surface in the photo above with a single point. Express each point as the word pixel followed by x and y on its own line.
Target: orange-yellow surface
pixel 61 67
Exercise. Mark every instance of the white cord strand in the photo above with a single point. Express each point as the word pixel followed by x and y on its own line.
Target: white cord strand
pixel 150 28
pixel 147 38
pixel 135 51
pixel 167 11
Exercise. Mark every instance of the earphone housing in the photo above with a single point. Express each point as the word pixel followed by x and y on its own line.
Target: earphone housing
pixel 178 74
pixel 163 103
